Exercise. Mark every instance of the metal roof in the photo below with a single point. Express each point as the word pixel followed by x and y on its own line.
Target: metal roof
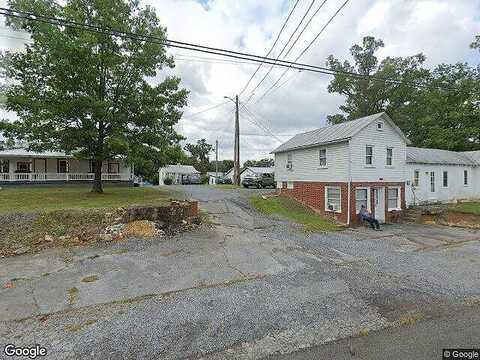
pixel 334 133
pixel 261 170
pixel 474 156
pixel 33 154
pixel 440 157
pixel 181 169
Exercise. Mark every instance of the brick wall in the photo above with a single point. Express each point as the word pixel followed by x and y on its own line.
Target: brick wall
pixel 312 194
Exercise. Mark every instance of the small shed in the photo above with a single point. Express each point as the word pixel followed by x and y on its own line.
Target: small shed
pixel 176 173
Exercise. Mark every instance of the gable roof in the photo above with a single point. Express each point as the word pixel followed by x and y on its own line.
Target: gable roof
pixel 181 169
pixel 261 170
pixel 335 133
pixel 441 157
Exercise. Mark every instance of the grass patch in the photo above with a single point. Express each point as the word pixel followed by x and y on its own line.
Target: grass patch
pixel 78 327
pixel 89 279
pixel 294 211
pixel 466 208
pixel 29 199
pixel 72 295
pixel 30 232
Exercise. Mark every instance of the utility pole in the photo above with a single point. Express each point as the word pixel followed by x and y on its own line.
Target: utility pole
pixel 216 161
pixel 236 147
pixel 236 159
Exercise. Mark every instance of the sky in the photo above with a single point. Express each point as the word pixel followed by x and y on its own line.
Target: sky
pixel 440 29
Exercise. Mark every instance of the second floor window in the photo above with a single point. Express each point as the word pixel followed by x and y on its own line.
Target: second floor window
pixel 290 161
pixel 323 157
pixel 369 155
pixel 465 177
pixel 389 156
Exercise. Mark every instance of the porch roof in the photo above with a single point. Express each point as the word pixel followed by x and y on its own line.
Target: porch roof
pixel 22 153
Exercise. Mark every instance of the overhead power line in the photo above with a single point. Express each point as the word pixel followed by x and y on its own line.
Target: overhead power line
pixel 271 49
pixel 189 116
pixel 281 51
pixel 306 49
pixel 200 48
pixel 304 28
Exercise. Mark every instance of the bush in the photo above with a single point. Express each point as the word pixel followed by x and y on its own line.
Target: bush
pixel 168 181
pixel 204 179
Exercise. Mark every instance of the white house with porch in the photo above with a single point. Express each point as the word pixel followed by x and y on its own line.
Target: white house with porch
pixel 20 166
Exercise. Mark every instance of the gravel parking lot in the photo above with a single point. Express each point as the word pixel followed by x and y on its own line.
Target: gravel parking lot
pixel 245 287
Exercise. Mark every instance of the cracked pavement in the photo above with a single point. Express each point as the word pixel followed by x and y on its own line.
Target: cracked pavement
pixel 246 287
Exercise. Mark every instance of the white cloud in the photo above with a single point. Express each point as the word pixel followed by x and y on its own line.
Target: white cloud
pixel 441 29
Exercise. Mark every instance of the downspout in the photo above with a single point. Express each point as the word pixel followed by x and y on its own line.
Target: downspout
pixel 349 185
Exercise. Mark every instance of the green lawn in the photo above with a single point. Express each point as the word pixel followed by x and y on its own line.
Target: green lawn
pixel 28 199
pixel 293 211
pixel 467 208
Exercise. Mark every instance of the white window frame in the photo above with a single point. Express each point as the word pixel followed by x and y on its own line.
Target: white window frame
pixel 465 177
pixel 399 198
pixel 389 157
pixel 320 158
pixel 339 210
pixel 372 156
pixel 416 178
pixel 433 185
pixel 380 128
pixel 290 185
pixel 290 161
pixel 444 172
pixel 368 198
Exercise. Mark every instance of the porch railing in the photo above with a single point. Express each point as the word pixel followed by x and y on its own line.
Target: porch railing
pixel 60 177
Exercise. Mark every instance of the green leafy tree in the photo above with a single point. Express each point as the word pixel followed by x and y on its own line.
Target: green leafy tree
pixel 437 108
pixel 93 94
pixel 267 162
pixel 363 94
pixel 200 155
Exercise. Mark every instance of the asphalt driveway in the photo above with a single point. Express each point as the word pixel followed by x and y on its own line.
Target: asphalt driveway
pixel 244 287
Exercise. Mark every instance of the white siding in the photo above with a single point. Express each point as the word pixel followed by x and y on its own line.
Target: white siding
pixel 456 190
pixel 380 140
pixel 306 166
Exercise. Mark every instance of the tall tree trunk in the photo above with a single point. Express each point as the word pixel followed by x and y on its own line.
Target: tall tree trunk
pixel 97 180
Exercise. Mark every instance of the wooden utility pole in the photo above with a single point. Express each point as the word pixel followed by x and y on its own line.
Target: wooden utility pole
pixel 216 161
pixel 236 156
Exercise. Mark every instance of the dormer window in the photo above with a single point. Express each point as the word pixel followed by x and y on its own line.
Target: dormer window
pixel 380 126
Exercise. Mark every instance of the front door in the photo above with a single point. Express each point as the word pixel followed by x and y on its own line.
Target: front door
pixel 379 195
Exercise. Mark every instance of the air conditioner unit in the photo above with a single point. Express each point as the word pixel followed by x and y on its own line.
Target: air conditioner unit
pixel 332 207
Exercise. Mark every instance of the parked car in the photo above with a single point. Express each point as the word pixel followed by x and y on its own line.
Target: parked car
pixel 224 180
pixel 259 181
pixel 191 179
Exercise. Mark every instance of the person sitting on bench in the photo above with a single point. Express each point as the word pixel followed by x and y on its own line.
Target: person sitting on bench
pixel 365 216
